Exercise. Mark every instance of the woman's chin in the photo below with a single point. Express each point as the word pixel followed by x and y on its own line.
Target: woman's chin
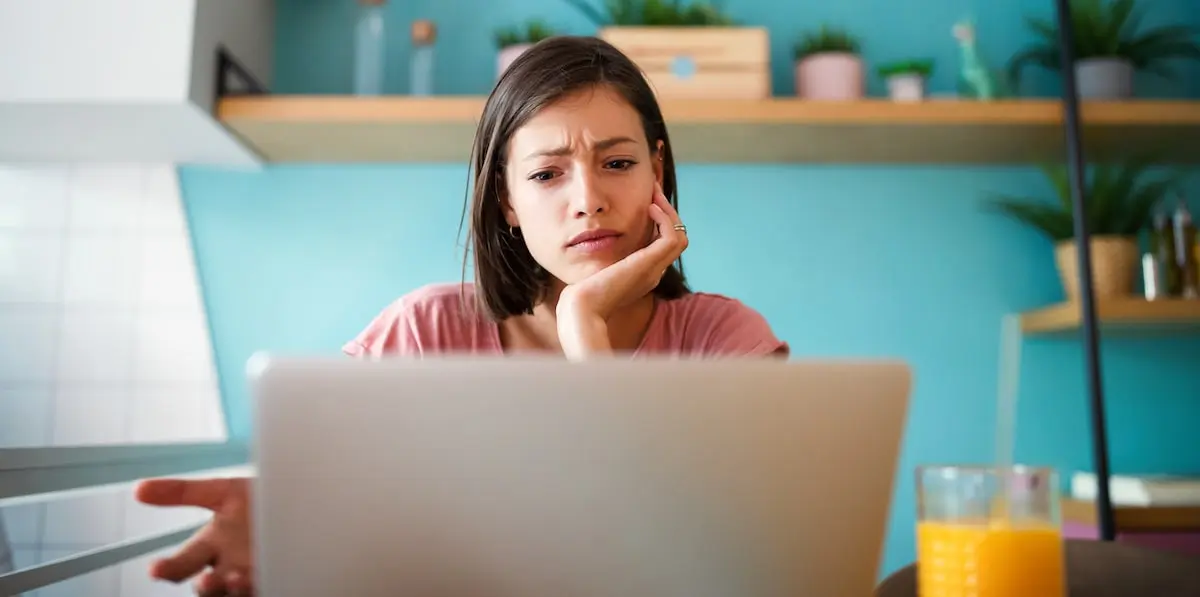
pixel 582 270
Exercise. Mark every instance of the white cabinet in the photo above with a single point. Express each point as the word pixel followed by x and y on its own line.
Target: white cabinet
pixel 125 80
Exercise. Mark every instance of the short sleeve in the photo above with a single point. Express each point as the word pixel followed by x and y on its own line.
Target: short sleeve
pixel 389 333
pixel 734 329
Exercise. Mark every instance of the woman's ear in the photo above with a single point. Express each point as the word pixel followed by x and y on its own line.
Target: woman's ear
pixel 658 161
pixel 510 216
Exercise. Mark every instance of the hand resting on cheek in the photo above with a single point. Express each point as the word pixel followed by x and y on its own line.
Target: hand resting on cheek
pixel 599 295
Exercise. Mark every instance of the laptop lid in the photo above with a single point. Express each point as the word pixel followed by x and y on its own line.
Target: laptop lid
pixel 536 478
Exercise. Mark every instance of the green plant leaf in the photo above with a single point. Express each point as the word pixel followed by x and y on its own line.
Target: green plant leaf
pixel 1107 29
pixel 826 39
pixel 533 32
pixel 1047 30
pixel 1121 21
pixel 655 13
pixel 1043 56
pixel 917 67
pixel 1120 199
pixel 1050 220
pixel 1146 198
pixel 1102 202
pixel 1060 180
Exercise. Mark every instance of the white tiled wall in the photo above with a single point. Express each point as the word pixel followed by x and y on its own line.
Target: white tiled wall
pixel 103 340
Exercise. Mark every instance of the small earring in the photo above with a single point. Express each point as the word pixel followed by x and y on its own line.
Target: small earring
pixel 511 233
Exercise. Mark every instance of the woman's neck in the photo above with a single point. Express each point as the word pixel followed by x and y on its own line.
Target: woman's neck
pixel 539 331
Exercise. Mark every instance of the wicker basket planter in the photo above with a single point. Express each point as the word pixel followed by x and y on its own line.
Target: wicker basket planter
pixel 1114 266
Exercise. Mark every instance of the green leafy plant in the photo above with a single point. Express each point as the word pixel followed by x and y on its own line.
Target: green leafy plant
pixel 906 67
pixel 826 39
pixel 1120 202
pixel 533 32
pixel 654 13
pixel 1107 29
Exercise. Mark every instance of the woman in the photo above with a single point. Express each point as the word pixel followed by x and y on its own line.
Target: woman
pixel 575 237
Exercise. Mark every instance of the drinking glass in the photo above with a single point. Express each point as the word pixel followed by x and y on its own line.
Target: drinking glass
pixel 985 531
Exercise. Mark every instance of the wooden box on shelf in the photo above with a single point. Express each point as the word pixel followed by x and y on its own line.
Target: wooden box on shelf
pixel 699 62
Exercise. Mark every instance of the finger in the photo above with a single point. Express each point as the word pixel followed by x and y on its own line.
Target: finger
pixel 662 221
pixel 671 242
pixel 192 558
pixel 209 583
pixel 661 201
pixel 203 493
pixel 239 582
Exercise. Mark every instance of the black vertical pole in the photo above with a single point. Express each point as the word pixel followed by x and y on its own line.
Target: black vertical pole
pixel 1091 335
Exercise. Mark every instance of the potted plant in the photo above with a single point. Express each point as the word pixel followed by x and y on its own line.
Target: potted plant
pixel 906 79
pixel 828 66
pixel 1120 204
pixel 513 41
pixel 691 50
pixel 1109 48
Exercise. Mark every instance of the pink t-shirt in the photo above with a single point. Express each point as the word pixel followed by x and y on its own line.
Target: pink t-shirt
pixel 440 319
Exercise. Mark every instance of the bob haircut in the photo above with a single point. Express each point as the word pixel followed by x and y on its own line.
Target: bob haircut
pixel 508 281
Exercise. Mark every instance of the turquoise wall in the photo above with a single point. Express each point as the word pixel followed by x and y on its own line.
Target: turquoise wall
pixel 843 260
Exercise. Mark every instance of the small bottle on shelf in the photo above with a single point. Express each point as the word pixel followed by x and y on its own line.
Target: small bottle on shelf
pixel 1185 252
pixel 1163 245
pixel 1152 282
pixel 369 44
pixel 424 35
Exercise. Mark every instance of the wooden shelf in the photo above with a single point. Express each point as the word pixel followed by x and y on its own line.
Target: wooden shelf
pixel 440 129
pixel 1131 313
pixel 1142 519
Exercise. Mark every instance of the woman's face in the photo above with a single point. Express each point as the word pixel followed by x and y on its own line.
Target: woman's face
pixel 580 179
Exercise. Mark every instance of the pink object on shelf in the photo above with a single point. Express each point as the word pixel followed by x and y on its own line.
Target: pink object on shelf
pixel 830 76
pixel 507 56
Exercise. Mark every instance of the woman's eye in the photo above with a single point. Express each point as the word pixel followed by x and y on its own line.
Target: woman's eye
pixel 542 176
pixel 619 164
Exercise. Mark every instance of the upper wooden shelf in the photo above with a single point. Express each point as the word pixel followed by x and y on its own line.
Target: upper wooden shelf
pixel 1131 313
pixel 440 129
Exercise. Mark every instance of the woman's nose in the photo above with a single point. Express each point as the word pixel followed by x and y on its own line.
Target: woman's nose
pixel 587 196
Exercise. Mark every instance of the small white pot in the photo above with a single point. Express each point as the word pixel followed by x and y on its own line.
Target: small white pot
pixel 906 87
pixel 830 76
pixel 507 55
pixel 1104 78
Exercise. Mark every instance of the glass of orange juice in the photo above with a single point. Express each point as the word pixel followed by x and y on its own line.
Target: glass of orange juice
pixel 989 532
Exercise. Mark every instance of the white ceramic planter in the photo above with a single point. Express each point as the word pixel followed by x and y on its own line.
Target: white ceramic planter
pixel 507 55
pixel 907 87
pixel 1104 78
pixel 830 76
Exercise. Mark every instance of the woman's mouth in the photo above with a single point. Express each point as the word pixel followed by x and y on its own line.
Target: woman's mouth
pixel 594 240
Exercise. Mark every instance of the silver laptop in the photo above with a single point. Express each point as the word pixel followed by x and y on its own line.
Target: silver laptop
pixel 524 477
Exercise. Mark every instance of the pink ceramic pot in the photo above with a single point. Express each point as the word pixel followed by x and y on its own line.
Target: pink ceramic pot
pixel 830 76
pixel 507 55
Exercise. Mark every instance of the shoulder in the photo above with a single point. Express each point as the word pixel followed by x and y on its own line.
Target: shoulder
pixel 438 299
pixel 710 323
pixel 424 319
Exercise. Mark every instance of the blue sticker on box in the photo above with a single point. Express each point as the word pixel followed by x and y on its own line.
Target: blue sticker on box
pixel 683 67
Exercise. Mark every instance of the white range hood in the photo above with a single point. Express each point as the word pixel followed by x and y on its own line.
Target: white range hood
pixel 128 80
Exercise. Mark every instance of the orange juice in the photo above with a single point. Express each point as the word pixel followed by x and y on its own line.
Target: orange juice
pixel 961 559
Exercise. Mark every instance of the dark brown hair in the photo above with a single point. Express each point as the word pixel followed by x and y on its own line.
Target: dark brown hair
pixel 508 281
